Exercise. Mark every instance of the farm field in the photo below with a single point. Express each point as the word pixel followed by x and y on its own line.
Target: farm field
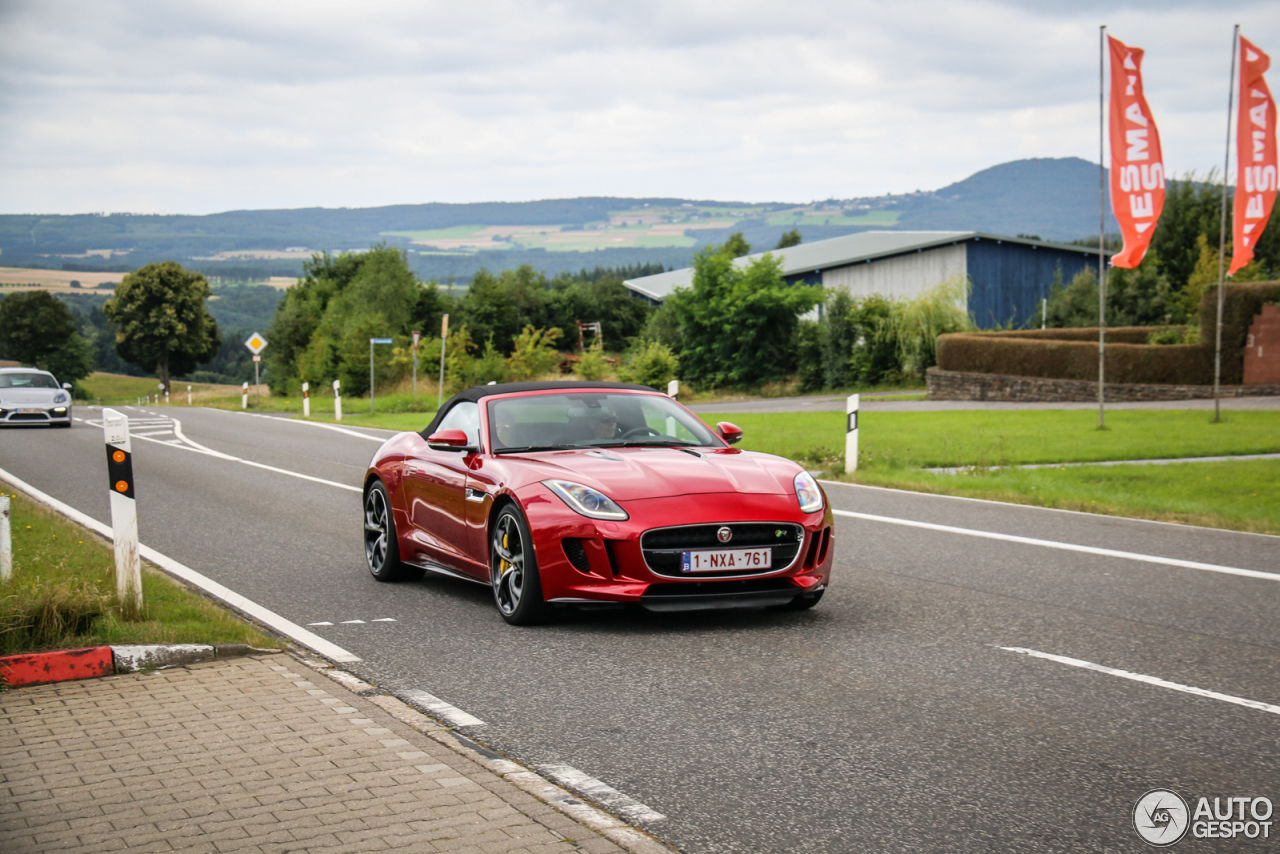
pixel 24 279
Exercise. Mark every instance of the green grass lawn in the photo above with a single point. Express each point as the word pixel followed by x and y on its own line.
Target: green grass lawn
pixel 1243 496
pixel 894 447
pixel 63 575
pixel 903 440
pixel 120 390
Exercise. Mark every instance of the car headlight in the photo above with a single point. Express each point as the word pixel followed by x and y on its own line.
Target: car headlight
pixel 591 503
pixel 807 492
pixel 61 397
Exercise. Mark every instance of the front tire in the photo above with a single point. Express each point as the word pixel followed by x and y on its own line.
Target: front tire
pixel 513 570
pixel 381 546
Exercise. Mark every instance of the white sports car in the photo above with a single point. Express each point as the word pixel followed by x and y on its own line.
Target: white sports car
pixel 32 396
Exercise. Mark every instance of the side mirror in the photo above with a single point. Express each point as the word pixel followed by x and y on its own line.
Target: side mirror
pixel 730 433
pixel 67 386
pixel 449 440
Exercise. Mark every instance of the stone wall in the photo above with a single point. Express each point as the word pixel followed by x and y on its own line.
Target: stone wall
pixel 963 385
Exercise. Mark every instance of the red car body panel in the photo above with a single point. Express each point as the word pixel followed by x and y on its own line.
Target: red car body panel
pixel 443 501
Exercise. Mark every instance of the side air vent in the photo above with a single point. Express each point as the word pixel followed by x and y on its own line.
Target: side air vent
pixel 576 554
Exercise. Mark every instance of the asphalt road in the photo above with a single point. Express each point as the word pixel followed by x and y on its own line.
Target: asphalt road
pixel 890 718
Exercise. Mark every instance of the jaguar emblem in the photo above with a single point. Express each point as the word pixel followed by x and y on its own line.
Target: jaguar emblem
pixel 724 535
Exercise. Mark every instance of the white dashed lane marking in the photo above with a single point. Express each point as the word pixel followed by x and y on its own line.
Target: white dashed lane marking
pixel 1148 680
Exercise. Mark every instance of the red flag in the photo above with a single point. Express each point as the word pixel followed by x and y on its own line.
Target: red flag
pixel 1137 167
pixel 1255 154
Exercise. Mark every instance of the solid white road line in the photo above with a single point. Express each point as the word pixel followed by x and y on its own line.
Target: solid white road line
pixel 606 796
pixel 440 708
pixel 1070 547
pixel 320 424
pixel 186 573
pixel 1149 680
pixel 1034 507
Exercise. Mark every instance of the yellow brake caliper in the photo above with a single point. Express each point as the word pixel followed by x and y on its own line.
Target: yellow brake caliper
pixel 502 562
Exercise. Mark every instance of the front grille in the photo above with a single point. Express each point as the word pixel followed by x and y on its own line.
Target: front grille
pixel 576 554
pixel 662 547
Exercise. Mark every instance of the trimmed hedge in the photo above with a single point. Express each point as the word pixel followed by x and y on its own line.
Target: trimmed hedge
pixel 1072 354
pixel 1177 364
pixel 1242 303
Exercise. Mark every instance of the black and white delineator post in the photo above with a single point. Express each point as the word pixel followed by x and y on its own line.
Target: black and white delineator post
pixel 444 342
pixel 306 400
pixel 124 514
pixel 673 389
pixel 337 400
pixel 6 542
pixel 851 434
pixel 416 336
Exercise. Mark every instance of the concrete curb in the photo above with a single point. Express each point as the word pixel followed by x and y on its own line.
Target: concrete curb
pixel 42 668
pixel 572 804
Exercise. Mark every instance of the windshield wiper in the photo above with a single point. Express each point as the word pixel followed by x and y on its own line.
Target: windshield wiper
pixel 524 449
pixel 651 441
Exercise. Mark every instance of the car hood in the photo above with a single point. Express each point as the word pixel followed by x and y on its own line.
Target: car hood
pixel 38 396
pixel 627 474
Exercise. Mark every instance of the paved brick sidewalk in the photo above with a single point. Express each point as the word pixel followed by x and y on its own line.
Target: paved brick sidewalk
pixel 258 754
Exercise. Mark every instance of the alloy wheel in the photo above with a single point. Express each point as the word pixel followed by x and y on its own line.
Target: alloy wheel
pixel 508 564
pixel 376 525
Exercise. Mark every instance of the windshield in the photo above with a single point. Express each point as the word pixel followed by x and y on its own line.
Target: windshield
pixel 593 419
pixel 27 381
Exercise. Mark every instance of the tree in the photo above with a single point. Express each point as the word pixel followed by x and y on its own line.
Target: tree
pixel 38 329
pixel 737 325
pixel 789 239
pixel 163 322
pixel 736 245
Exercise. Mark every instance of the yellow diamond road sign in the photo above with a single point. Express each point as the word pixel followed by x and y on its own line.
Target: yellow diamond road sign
pixel 256 343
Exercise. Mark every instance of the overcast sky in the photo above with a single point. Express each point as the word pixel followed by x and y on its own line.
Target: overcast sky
pixel 211 105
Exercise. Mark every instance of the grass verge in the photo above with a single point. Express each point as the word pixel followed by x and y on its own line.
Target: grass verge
pixel 62 595
pixel 894 447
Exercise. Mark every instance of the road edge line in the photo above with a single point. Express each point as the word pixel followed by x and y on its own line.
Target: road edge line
pixel 1180 525
pixel 228 596
pixel 1070 547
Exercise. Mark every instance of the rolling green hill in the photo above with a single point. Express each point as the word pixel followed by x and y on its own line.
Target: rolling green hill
pixel 1055 199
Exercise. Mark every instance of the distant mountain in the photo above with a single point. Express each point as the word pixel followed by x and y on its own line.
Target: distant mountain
pixel 1056 199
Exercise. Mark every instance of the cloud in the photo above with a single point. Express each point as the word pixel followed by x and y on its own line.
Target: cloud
pixel 206 106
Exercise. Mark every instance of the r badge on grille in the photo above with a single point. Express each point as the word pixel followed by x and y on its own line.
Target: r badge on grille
pixel 724 535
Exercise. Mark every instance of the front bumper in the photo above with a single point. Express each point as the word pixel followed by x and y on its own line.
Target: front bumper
pixel 12 414
pixel 587 562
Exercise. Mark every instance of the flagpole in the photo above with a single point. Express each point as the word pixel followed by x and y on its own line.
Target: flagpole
pixel 1222 237
pixel 1102 228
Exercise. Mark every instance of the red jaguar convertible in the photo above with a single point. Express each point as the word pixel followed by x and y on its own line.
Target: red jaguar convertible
pixel 593 495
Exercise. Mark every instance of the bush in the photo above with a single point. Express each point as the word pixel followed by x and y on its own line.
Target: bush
pixel 655 365
pixel 592 366
pixel 44 618
pixel 533 354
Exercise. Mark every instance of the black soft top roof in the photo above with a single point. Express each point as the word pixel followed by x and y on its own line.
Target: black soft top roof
pixel 475 393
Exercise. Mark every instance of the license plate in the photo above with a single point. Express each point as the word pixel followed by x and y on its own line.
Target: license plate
pixel 30 410
pixel 723 560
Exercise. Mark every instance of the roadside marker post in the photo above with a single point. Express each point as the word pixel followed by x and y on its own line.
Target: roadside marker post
pixel 166 398
pixel 444 340
pixel 188 395
pixel 244 396
pixel 851 434
pixel 337 401
pixel 306 400
pixel 373 341
pixel 6 542
pixel 673 389
pixel 124 512
pixel 416 336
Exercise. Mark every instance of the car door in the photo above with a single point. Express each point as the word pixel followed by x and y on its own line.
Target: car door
pixel 435 484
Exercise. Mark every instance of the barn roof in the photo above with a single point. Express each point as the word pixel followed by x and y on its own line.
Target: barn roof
pixel 840 252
